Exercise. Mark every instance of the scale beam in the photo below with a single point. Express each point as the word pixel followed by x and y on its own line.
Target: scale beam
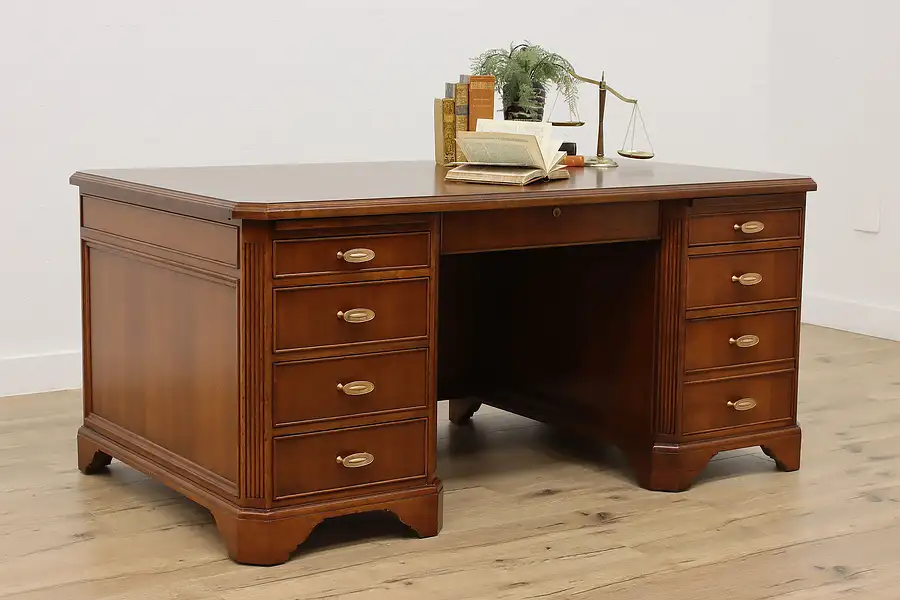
pixel 604 86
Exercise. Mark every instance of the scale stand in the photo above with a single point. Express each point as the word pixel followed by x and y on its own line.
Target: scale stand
pixel 601 160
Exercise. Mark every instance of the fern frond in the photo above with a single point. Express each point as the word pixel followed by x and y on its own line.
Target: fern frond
pixel 524 67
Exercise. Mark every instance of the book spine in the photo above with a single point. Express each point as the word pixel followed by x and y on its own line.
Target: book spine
pixel 438 131
pixel 481 99
pixel 448 129
pixel 462 113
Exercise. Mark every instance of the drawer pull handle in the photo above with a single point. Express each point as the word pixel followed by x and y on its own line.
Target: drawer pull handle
pixel 747 278
pixel 745 341
pixel 356 315
pixel 355 461
pixel 356 388
pixel 743 404
pixel 750 227
pixel 357 255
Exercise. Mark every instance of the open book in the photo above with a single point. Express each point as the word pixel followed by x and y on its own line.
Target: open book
pixel 509 152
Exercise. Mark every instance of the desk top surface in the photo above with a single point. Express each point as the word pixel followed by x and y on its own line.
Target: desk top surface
pixel 343 189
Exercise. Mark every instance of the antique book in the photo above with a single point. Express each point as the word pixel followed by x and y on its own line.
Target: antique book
pixel 481 98
pixel 509 152
pixel 470 173
pixel 444 131
pixel 461 99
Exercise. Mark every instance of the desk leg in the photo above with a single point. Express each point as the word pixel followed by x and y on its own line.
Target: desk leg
pixel 91 459
pixel 462 410
pixel 268 538
pixel 785 451
pixel 672 468
pixel 675 467
pixel 262 542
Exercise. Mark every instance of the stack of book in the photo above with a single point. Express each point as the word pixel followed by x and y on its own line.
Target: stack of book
pixel 463 104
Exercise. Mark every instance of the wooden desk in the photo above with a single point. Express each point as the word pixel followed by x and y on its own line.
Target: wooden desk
pixel 272 341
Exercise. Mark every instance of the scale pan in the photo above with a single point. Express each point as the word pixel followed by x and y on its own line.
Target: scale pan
pixel 567 123
pixel 639 154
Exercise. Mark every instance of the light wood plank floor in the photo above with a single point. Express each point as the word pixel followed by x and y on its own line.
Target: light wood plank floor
pixel 526 515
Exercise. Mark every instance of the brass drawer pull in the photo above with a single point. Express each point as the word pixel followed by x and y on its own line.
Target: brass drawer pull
pixel 356 315
pixel 355 461
pixel 750 227
pixel 742 404
pixel 357 255
pixel 745 341
pixel 747 278
pixel 356 388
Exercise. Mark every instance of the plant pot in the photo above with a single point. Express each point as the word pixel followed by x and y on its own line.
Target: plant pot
pixel 513 110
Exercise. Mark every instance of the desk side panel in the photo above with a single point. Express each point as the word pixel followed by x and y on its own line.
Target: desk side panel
pixel 161 343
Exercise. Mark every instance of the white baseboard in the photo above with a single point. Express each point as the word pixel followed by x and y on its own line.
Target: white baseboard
pixel 40 373
pixel 846 315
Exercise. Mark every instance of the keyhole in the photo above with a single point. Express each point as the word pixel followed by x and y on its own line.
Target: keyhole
pixel 556 212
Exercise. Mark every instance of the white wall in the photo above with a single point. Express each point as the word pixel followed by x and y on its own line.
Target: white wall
pixel 122 84
pixel 835 80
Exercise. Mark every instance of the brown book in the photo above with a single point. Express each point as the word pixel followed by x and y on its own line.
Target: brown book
pixel 481 98
pixel 444 131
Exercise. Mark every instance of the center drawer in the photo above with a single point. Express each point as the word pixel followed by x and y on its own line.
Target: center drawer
pixel 739 340
pixel 349 458
pixel 480 231
pixel 331 315
pixel 349 385
pixel 743 278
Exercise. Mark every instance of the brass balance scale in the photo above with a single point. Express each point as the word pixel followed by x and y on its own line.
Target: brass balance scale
pixel 627 150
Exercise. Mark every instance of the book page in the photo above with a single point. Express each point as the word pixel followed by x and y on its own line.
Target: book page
pixel 539 129
pixel 512 149
pixel 542 130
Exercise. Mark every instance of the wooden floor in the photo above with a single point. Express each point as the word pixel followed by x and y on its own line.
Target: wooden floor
pixel 525 514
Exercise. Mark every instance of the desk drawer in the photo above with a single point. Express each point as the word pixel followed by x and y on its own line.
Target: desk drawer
pixel 333 315
pixel 346 386
pixel 351 254
pixel 738 402
pixel 377 454
pixel 743 278
pixel 478 231
pixel 745 227
pixel 740 340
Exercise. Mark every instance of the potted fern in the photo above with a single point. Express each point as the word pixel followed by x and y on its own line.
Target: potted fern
pixel 523 73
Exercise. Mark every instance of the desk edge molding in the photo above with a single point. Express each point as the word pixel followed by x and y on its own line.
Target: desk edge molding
pixel 218 209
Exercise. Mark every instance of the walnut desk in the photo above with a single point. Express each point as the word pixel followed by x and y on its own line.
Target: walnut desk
pixel 272 341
